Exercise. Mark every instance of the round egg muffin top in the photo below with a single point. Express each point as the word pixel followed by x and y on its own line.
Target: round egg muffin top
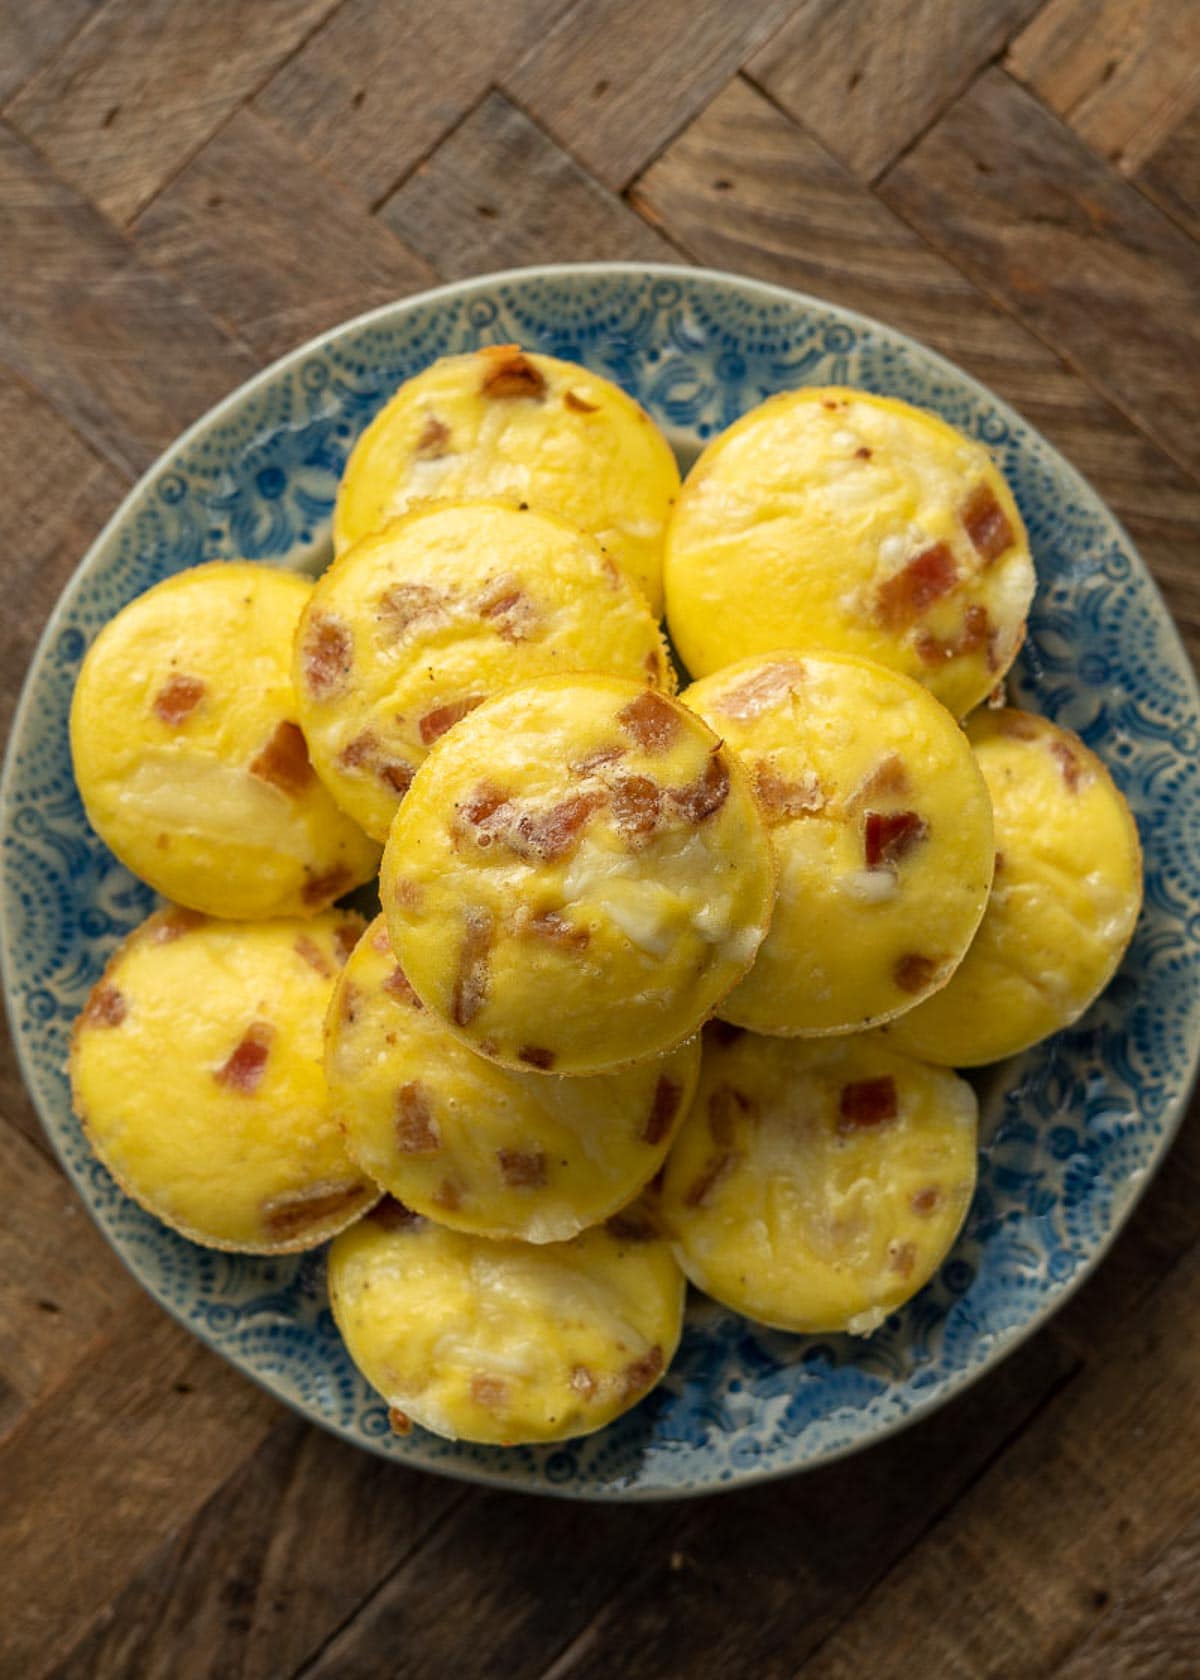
pixel 412 627
pixel 577 876
pixel 1064 903
pixel 882 830
pixel 480 1147
pixel 189 755
pixel 832 518
pixel 816 1185
pixel 505 1342
pixel 505 422
pixel 196 1069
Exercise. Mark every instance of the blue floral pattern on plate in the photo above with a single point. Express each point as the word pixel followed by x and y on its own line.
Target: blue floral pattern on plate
pixel 1071 1131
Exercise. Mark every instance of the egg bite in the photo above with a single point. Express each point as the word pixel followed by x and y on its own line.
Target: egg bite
pixel 1064 902
pixel 189 755
pixel 577 876
pixel 413 627
pixel 506 422
pixel 835 519
pixel 505 1342
pixel 816 1185
pixel 882 829
pixel 479 1147
pixel 196 1069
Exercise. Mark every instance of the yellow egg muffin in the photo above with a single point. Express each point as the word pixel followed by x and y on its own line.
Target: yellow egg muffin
pixel 882 829
pixel 504 422
pixel 505 1342
pixel 817 1185
pixel 196 1069
pixel 831 518
pixel 479 1147
pixel 412 627
pixel 1064 904
pixel 189 757
pixel 577 876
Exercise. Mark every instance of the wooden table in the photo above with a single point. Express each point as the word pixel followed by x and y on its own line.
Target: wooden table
pixel 189 188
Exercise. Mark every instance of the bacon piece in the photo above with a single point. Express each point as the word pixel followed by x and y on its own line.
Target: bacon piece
pixel 399 1422
pixel 701 799
pixel 926 1200
pixel 556 930
pixel 366 752
pixel 724 1105
pixel 633 1225
pixel 488 1391
pixel 889 836
pixel 862 453
pixel 284 761
pixel 986 523
pixel 311 953
pixel 655 666
pixel 577 404
pixel 508 372
pixel 915 973
pixel 178 698
pixel 782 798
pixel 393 1215
pixel 536 1057
pixel 399 986
pixel 380 941
pixel 592 761
pixel 323 889
pixel 174 923
pixel 243 1068
pixel 487 809
pixel 106 1007
pixel 523 1169
pixel 583 1381
pixel 435 724
pixel 434 438
pixel 510 610
pixel 903 597
pixel 865 1103
pixel 447 1196
pixel 888 778
pixel 636 806
pixel 1068 764
pixel 326 654
pixel 643 1373
pixel 555 833
pixel 902 1257
pixel 471 982
pixel 975 635
pixel 651 720
pixel 416 1129
pixel 663 1110
pixel 762 692
pixel 405 604
pixel 714 1170
pixel 297 1211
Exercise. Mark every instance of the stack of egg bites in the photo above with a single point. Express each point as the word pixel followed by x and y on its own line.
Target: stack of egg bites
pixel 497 1097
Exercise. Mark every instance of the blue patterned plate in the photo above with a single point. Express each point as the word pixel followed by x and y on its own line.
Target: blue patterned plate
pixel 1071 1131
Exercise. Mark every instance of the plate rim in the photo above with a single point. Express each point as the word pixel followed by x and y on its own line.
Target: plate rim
pixel 1006 1342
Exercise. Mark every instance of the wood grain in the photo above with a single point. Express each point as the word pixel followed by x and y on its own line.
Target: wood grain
pixel 614 79
pixel 383 82
pixel 30 34
pixel 1151 1628
pixel 1171 175
pixel 867 76
pixel 137 1438
pixel 1122 74
pixel 1044 1540
pixel 122 354
pixel 280 1555
pixel 230 229
pixel 745 189
pixel 131 97
pixel 1035 219
pixel 499 194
